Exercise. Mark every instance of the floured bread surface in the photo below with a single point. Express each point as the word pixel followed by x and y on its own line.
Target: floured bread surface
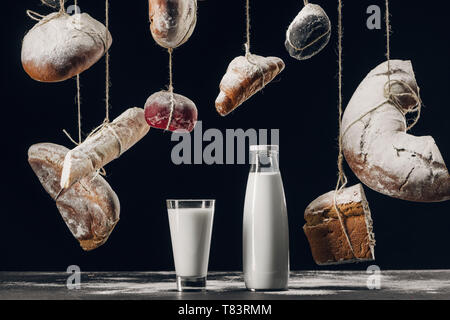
pixel 61 46
pixel 172 21
pixel 90 208
pixel 324 231
pixel 377 147
pixel 107 144
pixel 244 78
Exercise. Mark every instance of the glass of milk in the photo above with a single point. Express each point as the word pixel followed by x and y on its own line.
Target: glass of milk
pixel 190 229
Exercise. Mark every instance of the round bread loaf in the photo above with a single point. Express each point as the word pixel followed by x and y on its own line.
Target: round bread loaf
pixel 60 46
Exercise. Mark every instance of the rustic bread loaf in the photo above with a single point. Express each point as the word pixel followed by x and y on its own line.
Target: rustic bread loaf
pixel 172 21
pixel 378 149
pixel 308 33
pixel 325 234
pixel 105 145
pixel 90 208
pixel 61 46
pixel 244 78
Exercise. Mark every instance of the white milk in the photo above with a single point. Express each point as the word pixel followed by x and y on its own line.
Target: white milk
pixel 265 233
pixel 190 230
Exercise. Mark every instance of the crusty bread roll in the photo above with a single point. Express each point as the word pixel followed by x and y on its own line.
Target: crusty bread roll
pixel 378 149
pixel 308 33
pixel 172 21
pixel 90 208
pixel 324 231
pixel 105 145
pixel 61 46
pixel 244 78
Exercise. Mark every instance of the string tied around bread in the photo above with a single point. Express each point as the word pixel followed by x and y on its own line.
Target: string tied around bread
pixel 172 98
pixel 395 100
pixel 42 18
pixel 104 126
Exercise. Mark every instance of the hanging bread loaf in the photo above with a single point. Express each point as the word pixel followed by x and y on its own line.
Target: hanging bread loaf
pixel 104 145
pixel 90 208
pixel 162 108
pixel 61 46
pixel 378 149
pixel 309 33
pixel 244 78
pixel 325 234
pixel 172 21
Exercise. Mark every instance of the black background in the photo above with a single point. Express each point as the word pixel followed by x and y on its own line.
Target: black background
pixel 301 102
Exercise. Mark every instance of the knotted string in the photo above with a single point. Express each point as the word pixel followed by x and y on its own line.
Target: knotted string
pixel 39 17
pixel 248 54
pixel 172 98
pixel 342 178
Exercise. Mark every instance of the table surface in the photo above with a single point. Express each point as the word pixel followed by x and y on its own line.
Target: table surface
pixel 407 284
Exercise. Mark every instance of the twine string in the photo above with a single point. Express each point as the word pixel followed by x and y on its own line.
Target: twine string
pixel 342 178
pixel 248 54
pixel 107 60
pixel 172 98
pixel 39 17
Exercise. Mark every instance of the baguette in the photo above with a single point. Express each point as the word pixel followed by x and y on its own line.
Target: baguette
pixel 105 145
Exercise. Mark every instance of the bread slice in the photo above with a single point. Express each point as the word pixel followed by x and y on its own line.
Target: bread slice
pixel 325 234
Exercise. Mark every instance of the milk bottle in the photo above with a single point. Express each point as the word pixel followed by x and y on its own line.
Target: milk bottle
pixel 265 228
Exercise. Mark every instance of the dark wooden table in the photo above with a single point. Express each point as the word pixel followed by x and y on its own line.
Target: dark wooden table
pixel 226 286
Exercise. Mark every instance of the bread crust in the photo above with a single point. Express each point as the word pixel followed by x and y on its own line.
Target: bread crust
pixel 90 208
pixel 244 78
pixel 324 231
pixel 61 46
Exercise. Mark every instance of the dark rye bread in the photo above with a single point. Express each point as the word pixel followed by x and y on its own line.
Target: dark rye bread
pixel 324 231
pixel 90 208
